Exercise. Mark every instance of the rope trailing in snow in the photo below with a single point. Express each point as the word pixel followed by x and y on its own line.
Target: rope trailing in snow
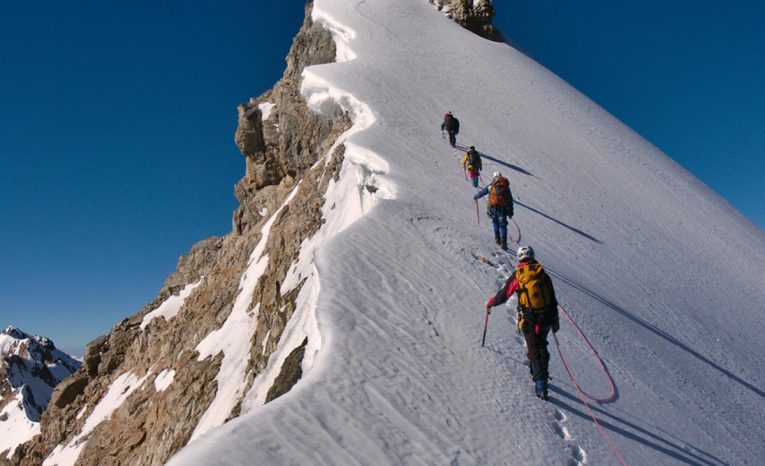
pixel 582 395
pixel 606 374
pixel 517 241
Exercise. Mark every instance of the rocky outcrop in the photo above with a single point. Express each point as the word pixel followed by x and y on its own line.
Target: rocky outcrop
pixel 290 374
pixel 151 418
pixel 290 140
pixel 474 15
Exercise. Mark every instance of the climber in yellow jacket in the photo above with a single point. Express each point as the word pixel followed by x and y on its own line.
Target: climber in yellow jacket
pixel 471 162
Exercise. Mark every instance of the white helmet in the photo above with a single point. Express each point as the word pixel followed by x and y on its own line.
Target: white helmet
pixel 525 252
pixel 496 175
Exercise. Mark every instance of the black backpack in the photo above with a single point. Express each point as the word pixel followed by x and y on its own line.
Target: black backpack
pixel 474 159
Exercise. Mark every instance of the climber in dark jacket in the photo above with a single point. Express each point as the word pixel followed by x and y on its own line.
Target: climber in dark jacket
pixel 452 126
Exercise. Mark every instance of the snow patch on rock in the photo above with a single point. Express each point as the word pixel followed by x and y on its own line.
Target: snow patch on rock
pixel 233 338
pixel 265 110
pixel 171 306
pixel 164 379
pixel 122 387
pixel 16 427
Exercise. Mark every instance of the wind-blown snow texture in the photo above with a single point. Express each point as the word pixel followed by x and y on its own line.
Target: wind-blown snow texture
pixel 666 279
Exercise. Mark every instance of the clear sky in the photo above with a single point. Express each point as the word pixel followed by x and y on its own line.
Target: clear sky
pixel 117 122
pixel 688 75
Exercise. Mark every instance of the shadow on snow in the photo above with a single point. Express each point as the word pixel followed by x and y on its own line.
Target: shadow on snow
pixel 575 230
pixel 643 436
pixel 496 160
pixel 655 330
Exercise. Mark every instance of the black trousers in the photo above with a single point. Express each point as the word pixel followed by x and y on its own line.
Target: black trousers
pixel 452 138
pixel 539 357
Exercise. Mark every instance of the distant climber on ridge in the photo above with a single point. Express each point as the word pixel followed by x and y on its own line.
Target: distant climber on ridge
pixel 537 313
pixel 500 206
pixel 472 164
pixel 452 126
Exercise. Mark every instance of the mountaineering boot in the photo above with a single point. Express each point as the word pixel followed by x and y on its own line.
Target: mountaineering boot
pixel 497 239
pixel 503 245
pixel 540 389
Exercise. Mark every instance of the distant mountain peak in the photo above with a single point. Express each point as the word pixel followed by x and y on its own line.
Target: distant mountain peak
pixel 30 368
pixel 15 332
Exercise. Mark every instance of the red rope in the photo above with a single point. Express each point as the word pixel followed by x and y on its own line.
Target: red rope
pixel 518 229
pixel 582 395
pixel 606 374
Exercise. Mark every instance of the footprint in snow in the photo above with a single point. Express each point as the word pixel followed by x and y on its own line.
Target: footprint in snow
pixel 578 455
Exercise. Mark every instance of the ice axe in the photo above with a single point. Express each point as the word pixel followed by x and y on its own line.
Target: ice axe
pixel 485 325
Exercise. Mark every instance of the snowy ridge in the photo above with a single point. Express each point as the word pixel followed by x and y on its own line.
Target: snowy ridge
pixel 357 190
pixel 33 367
pixel 342 34
pixel 638 248
pixel 360 185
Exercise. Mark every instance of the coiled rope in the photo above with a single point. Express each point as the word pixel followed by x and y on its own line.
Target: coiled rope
pixel 606 374
pixel 581 393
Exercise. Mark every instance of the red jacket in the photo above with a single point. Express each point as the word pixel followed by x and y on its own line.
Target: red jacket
pixel 511 286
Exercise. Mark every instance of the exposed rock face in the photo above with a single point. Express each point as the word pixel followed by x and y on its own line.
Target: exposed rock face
pixel 474 15
pixel 290 374
pixel 152 421
pixel 289 141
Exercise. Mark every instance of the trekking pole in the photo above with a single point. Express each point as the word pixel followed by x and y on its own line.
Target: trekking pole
pixel 477 215
pixel 485 325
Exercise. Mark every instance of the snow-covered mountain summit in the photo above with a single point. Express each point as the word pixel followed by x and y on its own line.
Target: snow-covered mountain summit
pixel 340 321
pixel 665 278
pixel 30 368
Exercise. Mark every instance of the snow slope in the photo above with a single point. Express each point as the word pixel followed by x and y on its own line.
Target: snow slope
pixel 666 279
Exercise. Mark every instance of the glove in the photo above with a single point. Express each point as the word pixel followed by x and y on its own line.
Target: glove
pixel 555 325
pixel 489 303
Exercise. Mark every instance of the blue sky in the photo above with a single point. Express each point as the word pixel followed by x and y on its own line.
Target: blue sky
pixel 687 75
pixel 117 123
